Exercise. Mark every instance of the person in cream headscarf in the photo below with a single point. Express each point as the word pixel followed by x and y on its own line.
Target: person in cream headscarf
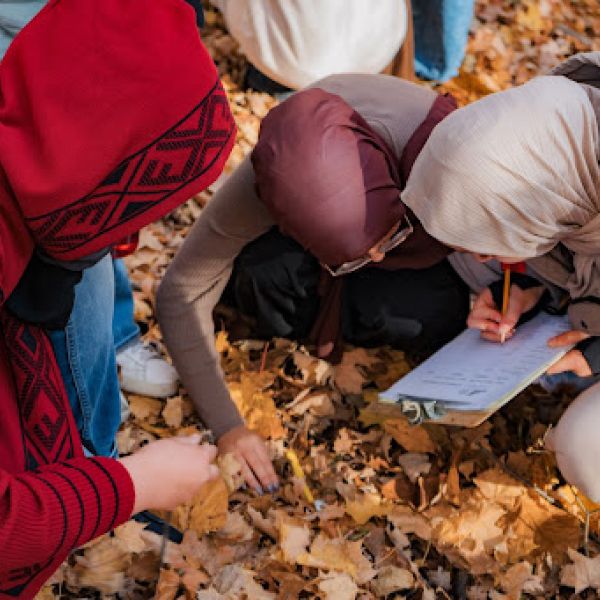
pixel 516 176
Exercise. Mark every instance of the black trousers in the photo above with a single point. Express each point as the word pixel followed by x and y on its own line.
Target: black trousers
pixel 275 280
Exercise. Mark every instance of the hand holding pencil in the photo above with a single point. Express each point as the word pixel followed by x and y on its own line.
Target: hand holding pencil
pixel 497 323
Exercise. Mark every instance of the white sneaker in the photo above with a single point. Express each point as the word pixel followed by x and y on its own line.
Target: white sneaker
pixel 142 370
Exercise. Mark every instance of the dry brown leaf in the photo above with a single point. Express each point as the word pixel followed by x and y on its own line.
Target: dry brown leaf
pixel 267 526
pixel 191 580
pixel 409 521
pixel 540 527
pixel 209 507
pixel 102 566
pixel 392 579
pixel 363 507
pixel 338 555
pixel 413 438
pixel 319 404
pixel 235 529
pixel 256 405
pixel 231 471
pixel 414 464
pixel 294 537
pixel 167 586
pixel 234 581
pixel 583 573
pixel 128 537
pixel 518 579
pixel 338 586
pixel 347 376
pixel 173 412
pixel 313 371
pixel 144 409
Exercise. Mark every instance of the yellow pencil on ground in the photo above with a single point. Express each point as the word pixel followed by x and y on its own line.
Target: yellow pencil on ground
pixel 299 473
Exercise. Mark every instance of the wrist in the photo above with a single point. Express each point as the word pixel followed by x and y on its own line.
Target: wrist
pixel 134 466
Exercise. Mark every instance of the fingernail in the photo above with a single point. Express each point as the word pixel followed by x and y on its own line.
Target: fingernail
pixel 272 488
pixel 259 490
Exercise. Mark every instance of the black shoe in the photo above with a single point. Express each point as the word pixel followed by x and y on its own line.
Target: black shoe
pixel 159 526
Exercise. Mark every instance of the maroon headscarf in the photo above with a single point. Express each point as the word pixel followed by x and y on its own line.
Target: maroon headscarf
pixel 333 184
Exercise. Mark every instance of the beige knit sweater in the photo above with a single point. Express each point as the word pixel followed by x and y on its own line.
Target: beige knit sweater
pixel 234 217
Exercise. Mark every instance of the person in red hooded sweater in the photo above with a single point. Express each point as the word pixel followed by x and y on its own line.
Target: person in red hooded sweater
pixel 107 122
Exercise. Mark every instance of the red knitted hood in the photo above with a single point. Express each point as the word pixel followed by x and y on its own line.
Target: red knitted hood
pixel 111 114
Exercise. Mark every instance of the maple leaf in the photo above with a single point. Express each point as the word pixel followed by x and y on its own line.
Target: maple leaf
pixel 583 573
pixel 340 555
pixel 294 538
pixel 348 378
pixel 363 507
pixel 256 405
pixel 209 507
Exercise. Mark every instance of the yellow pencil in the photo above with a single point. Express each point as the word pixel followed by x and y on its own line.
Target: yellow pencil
pixel 505 297
pixel 299 473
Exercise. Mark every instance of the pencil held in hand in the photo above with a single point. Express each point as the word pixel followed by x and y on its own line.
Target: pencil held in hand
pixel 504 329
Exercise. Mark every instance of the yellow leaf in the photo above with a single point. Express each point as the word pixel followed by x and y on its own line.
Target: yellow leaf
pixel 364 507
pixel 209 507
pixel 143 408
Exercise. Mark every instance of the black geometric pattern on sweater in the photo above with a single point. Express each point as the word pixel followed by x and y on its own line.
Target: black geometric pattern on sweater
pixel 42 405
pixel 147 178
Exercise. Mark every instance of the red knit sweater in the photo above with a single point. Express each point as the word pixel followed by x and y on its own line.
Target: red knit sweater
pixel 52 500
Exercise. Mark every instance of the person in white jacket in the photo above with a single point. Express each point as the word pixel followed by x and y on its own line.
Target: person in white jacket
pixel 297 42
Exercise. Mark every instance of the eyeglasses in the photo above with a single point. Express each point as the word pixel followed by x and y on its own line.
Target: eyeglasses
pixel 384 248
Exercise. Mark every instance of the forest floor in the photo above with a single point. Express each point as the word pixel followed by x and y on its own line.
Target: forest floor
pixel 409 512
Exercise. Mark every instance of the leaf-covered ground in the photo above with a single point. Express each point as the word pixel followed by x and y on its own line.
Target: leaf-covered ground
pixel 426 512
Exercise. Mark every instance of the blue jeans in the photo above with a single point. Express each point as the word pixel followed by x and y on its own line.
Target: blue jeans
pixel 441 28
pixel 101 322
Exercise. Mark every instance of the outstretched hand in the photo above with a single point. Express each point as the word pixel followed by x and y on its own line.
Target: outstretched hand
pixel 251 452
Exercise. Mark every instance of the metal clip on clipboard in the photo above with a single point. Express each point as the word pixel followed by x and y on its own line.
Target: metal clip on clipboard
pixel 418 412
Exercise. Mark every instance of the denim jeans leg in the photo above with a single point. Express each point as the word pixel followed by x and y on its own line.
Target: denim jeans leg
pixel 125 329
pixel 85 353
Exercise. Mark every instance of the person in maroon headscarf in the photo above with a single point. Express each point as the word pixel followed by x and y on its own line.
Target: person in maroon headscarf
pixel 328 250
pixel 107 122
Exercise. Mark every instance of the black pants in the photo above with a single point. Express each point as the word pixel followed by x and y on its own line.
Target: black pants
pixel 275 283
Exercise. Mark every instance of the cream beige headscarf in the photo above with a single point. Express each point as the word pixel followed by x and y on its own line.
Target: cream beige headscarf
pixel 516 173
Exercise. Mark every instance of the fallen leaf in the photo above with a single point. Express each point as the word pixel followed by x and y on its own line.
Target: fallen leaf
pixel 167 586
pixel 173 411
pixel 392 579
pixel 413 438
pixel 143 408
pixel 340 555
pixel 294 538
pixel 518 579
pixel 414 464
pixel 231 471
pixel 209 507
pixel 583 573
pixel 347 376
pixel 338 586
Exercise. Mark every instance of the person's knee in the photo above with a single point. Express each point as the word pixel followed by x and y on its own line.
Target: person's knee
pixel 576 442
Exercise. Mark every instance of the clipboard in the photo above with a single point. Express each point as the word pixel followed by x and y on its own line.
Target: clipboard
pixel 470 378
